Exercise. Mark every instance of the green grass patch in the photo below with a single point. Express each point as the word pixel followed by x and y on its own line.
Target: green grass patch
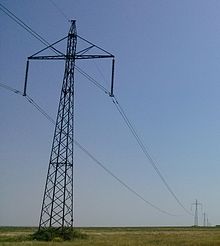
pixel 15 234
pixel 120 236
pixel 58 234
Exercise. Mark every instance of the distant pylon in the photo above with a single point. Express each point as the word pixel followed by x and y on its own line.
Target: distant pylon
pixel 207 222
pixel 196 217
pixel 204 219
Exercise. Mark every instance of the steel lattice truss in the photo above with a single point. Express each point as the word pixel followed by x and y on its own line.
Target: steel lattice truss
pixel 57 208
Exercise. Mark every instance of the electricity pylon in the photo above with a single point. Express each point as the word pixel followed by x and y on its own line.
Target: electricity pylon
pixel 204 219
pixel 57 206
pixel 207 222
pixel 196 217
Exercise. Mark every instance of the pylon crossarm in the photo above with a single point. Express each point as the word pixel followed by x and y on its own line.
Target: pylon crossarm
pixel 66 57
pixel 51 47
pixel 105 51
pixel 57 57
pixel 85 50
pixel 79 54
pixel 93 56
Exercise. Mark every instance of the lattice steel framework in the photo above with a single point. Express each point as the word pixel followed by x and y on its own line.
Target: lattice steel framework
pixel 57 206
pixel 196 217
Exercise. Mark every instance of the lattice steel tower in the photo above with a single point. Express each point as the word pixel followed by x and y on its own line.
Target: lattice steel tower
pixel 57 206
pixel 196 217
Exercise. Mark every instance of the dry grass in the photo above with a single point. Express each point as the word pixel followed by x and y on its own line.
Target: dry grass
pixel 122 237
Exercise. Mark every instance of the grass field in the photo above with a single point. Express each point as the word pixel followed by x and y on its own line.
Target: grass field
pixel 136 236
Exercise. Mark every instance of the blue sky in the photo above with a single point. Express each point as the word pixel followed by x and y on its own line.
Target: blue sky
pixel 167 80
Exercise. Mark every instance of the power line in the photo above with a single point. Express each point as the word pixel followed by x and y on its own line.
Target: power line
pixel 29 99
pixel 146 152
pixel 59 10
pixel 138 139
pixel 99 163
pixel 95 82
pixel 27 28
pixel 10 89
pixel 118 106
pixel 100 72
pixel 46 43
pixel 120 181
